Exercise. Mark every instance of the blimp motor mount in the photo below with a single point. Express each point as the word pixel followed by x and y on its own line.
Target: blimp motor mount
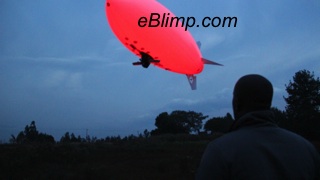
pixel 145 59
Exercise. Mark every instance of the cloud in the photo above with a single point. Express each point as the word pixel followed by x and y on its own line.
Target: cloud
pixel 208 39
pixel 216 104
pixel 63 79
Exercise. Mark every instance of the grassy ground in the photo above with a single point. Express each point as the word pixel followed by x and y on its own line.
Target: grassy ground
pixel 136 159
pixel 162 157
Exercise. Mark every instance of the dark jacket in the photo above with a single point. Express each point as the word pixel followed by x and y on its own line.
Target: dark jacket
pixel 256 148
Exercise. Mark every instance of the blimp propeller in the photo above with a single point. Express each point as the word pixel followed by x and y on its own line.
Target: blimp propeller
pixel 145 59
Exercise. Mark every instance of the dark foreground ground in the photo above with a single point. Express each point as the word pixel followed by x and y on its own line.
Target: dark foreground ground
pixel 153 158
pixel 166 157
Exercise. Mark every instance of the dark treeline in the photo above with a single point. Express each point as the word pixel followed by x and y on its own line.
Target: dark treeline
pixel 31 135
pixel 301 115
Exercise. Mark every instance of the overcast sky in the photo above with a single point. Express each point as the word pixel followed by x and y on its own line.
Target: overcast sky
pixel 61 65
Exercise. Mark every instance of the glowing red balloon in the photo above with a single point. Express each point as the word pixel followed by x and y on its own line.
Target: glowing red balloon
pixel 174 47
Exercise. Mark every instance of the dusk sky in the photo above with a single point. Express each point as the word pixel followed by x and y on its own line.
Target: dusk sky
pixel 61 65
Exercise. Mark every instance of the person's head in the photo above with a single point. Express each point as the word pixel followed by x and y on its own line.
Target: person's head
pixel 251 93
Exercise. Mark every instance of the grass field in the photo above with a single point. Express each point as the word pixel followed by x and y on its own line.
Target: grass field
pixel 160 157
pixel 167 157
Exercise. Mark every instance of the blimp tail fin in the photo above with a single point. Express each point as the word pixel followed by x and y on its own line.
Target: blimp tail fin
pixel 199 44
pixel 206 61
pixel 192 81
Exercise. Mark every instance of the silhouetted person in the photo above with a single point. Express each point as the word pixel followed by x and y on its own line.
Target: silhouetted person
pixel 255 147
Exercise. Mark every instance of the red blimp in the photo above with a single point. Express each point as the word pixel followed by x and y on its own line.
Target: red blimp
pixel 156 35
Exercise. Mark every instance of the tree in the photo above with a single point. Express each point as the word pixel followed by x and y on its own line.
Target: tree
pixel 66 138
pixel 178 122
pixel 280 118
pixel 45 138
pixel 219 124
pixel 21 138
pixel 31 135
pixel 303 104
pixel 31 132
pixel 166 123
pixel 73 138
pixel 146 133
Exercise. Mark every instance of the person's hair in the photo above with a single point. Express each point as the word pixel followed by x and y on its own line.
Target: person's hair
pixel 254 92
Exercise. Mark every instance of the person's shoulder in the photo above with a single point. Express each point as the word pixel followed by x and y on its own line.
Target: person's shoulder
pixel 299 140
pixel 294 136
